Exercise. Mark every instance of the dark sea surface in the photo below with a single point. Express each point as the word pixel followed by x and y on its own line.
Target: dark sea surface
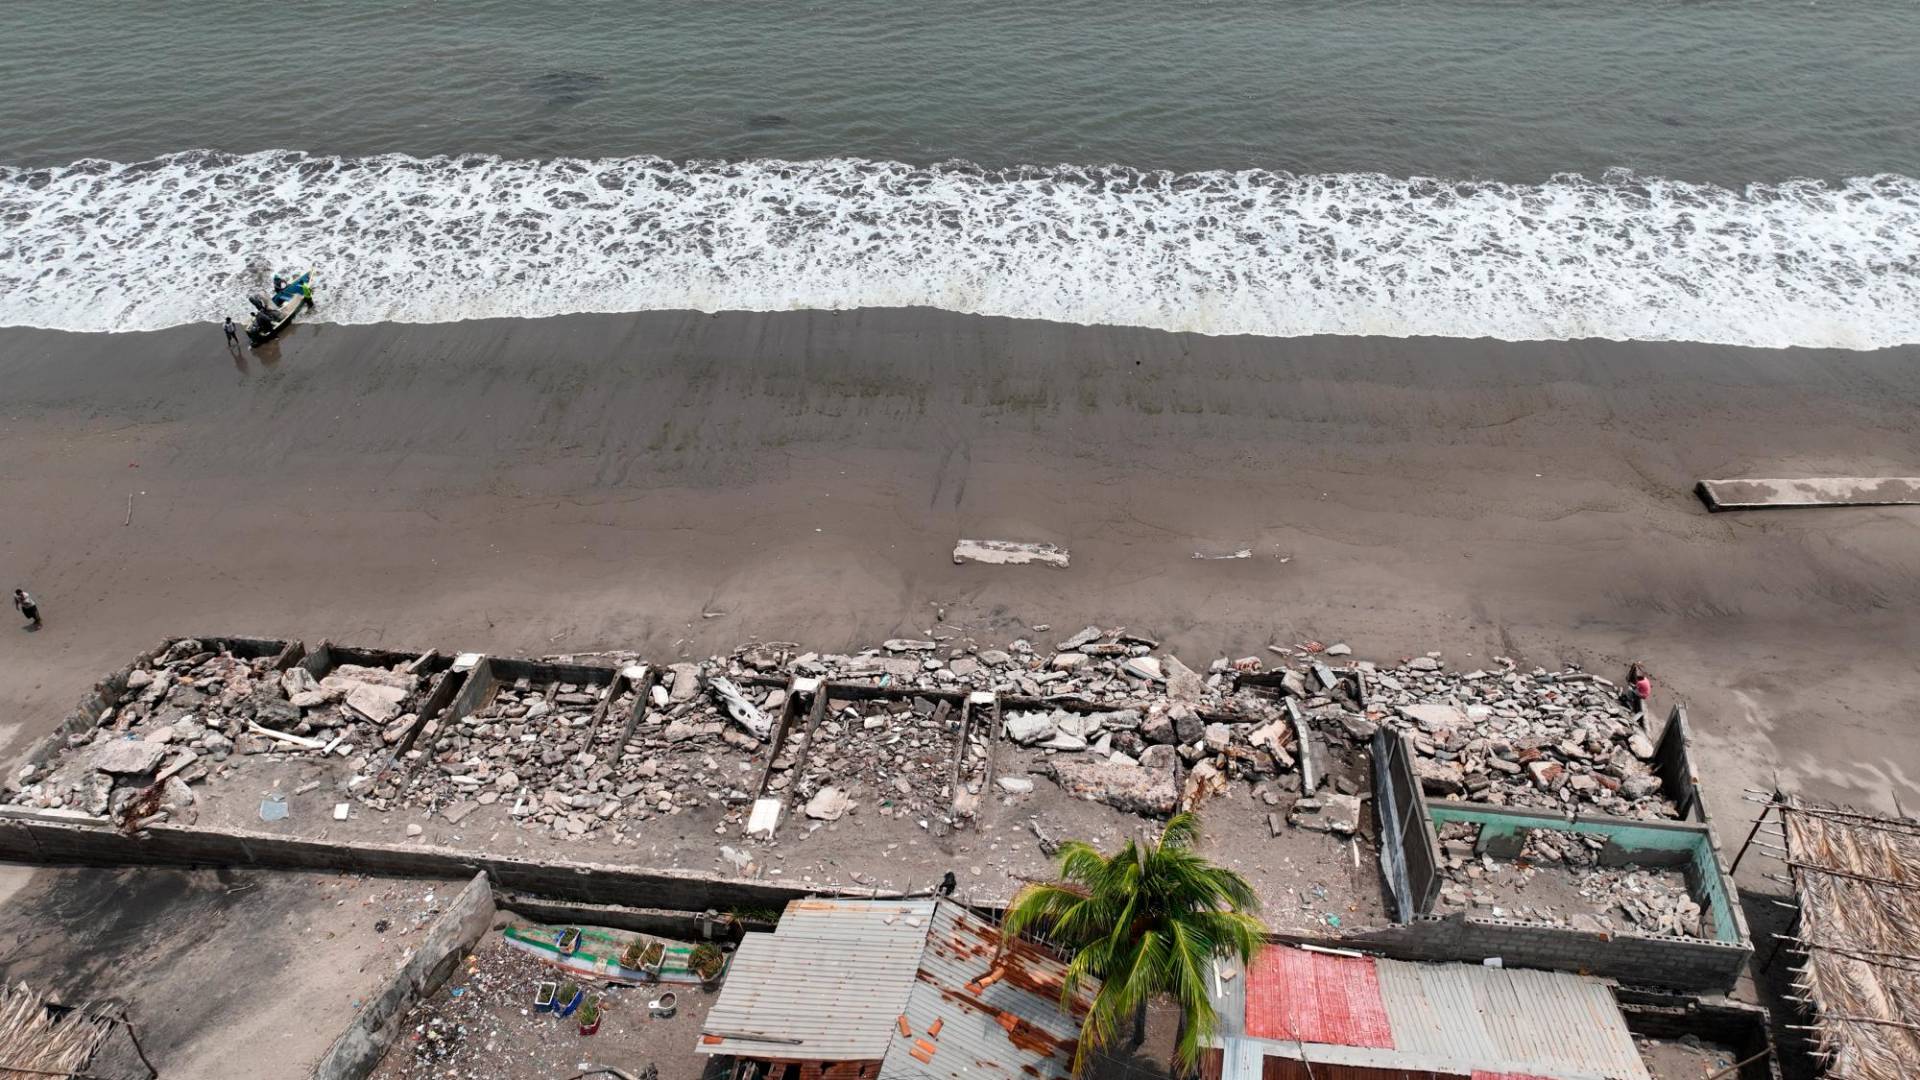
pixel 1718 170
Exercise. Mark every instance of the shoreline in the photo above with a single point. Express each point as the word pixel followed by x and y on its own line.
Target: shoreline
pixel 568 484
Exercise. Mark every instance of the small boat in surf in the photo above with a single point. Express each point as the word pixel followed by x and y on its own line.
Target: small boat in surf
pixel 270 316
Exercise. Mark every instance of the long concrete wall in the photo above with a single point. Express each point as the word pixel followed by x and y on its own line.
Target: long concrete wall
pixel 55 837
pixel 683 925
pixel 358 1050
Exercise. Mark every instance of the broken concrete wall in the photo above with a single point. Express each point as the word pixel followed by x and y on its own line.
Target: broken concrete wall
pixel 107 693
pixel 1410 857
pixel 85 715
pixel 450 683
pixel 540 672
pixel 1743 1029
pixel 325 657
pixel 359 1049
pixel 1678 963
pixel 660 922
pixel 783 729
pixel 1629 841
pixel 1409 847
pixel 493 672
pixel 1673 760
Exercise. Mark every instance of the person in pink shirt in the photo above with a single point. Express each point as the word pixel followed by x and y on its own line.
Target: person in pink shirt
pixel 1639 686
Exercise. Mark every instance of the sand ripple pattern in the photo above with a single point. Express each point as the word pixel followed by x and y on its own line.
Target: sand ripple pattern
pixel 100 245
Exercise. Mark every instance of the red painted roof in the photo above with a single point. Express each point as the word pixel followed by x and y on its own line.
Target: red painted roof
pixel 1313 997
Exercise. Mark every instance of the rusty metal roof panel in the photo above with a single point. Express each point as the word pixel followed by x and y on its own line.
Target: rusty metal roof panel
pixel 1316 997
pixel 1455 1018
pixel 829 984
pixel 966 1023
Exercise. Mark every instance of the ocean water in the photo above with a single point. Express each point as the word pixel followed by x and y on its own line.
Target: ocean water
pixel 1711 170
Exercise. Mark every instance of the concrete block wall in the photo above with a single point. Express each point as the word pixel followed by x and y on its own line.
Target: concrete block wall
pixel 1678 963
pixel 1684 963
pixel 1744 1029
pixel 1673 759
pixel 358 1050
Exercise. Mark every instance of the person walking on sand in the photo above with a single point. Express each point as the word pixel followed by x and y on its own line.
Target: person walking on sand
pixel 28 610
pixel 233 336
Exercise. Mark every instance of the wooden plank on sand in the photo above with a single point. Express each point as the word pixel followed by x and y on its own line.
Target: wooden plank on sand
pixel 1754 494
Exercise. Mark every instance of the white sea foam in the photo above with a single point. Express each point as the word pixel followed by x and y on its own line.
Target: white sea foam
pixel 105 246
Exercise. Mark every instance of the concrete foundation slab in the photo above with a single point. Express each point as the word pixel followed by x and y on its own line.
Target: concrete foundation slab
pixel 1770 494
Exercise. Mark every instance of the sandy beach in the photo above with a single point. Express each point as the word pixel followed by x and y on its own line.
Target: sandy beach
pixel 677 483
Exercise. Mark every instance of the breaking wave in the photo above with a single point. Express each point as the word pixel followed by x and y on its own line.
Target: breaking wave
pixel 99 245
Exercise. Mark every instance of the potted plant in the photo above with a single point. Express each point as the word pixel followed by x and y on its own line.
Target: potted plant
pixel 631 956
pixel 567 1000
pixel 652 958
pixel 543 995
pixel 706 962
pixel 567 940
pixel 590 1016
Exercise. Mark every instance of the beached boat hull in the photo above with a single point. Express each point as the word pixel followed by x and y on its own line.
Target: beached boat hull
pixel 289 300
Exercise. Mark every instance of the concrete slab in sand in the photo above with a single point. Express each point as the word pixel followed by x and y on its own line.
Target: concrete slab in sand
pixel 1756 494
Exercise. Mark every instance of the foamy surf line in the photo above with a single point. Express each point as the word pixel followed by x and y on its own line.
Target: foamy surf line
pixel 105 246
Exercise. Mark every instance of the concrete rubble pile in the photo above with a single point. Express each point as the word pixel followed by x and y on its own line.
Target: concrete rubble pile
pixel 1649 902
pixel 527 739
pixel 896 756
pixel 1559 740
pixel 1104 714
pixel 693 747
pixel 193 707
pixel 549 752
pixel 1558 879
pixel 1101 715
pixel 352 707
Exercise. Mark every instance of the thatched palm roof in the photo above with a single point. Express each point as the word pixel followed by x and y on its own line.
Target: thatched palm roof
pixel 38 1041
pixel 1857 879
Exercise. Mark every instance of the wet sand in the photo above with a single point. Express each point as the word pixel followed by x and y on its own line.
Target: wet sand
pixel 608 481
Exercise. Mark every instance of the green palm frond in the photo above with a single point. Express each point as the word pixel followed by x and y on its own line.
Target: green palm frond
pixel 1147 921
pixel 1182 831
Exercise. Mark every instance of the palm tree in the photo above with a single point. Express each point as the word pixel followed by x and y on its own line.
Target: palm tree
pixel 1146 921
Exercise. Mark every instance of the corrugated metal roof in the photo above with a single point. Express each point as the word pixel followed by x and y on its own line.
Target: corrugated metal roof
pixel 1508 1020
pixel 1012 1026
pixel 834 975
pixel 1316 997
pixel 1461 1018
pixel 841 976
